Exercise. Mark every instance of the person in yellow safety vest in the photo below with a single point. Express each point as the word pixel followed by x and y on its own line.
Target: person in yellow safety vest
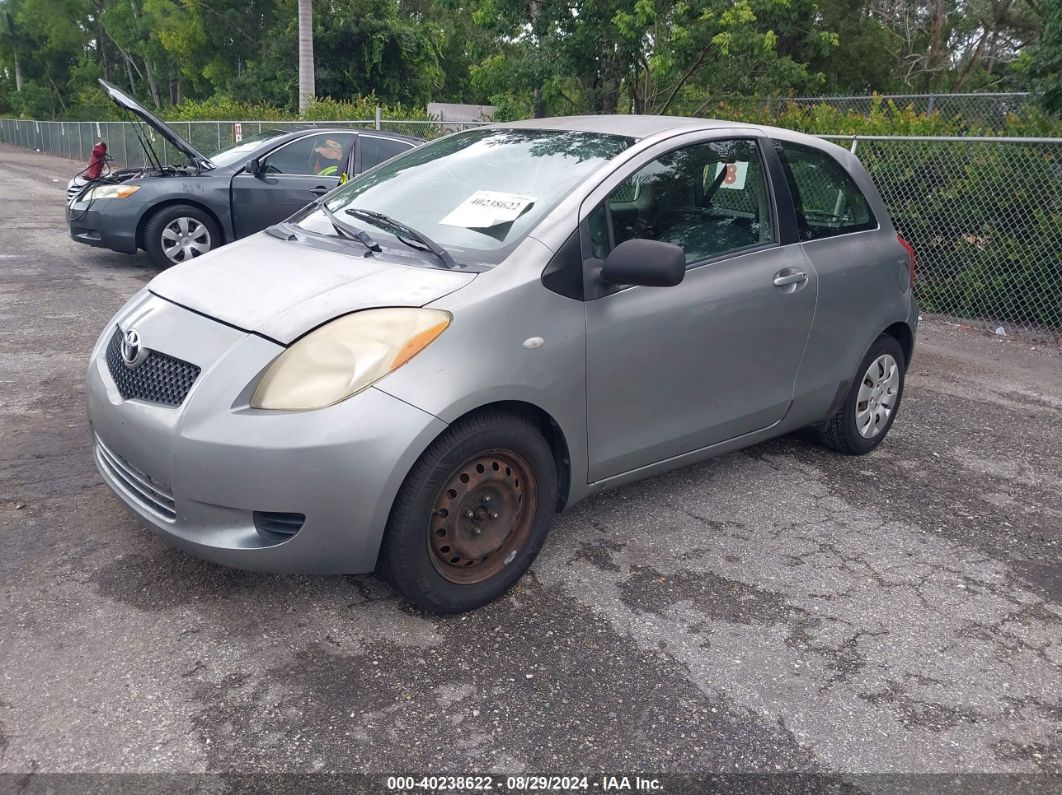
pixel 329 159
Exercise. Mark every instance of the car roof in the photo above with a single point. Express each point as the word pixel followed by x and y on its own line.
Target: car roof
pixel 643 126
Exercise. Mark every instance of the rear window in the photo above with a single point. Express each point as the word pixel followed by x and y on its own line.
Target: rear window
pixel 376 150
pixel 826 198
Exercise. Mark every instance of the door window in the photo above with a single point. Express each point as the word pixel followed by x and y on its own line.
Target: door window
pixel 826 198
pixel 710 198
pixel 325 154
pixel 376 150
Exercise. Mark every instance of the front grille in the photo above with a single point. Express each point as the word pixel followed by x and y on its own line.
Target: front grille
pixel 150 494
pixel 159 378
pixel 277 527
pixel 77 184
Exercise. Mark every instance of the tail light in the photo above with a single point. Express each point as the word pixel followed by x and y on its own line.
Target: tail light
pixel 910 256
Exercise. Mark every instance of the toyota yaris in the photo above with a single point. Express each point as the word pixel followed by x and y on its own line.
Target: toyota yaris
pixel 417 371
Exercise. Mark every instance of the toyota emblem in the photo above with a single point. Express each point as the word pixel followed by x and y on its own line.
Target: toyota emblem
pixel 133 351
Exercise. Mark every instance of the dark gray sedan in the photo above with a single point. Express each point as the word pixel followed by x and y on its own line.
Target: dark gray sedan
pixel 175 213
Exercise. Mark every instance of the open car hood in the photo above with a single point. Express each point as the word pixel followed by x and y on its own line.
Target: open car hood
pixel 282 290
pixel 126 102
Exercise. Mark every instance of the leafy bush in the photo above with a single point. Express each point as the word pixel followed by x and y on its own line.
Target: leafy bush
pixel 884 117
pixel 226 109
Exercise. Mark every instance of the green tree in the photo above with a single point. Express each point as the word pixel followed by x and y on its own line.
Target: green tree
pixel 1045 60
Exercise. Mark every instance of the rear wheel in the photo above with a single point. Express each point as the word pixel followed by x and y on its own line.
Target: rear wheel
pixel 869 408
pixel 178 233
pixel 472 514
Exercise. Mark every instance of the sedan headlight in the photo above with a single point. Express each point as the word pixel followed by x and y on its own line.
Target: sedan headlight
pixel 343 357
pixel 110 192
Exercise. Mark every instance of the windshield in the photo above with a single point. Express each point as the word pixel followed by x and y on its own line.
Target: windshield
pixel 477 193
pixel 231 155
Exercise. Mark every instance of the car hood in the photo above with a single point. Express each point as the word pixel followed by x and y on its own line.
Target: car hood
pixel 281 290
pixel 126 102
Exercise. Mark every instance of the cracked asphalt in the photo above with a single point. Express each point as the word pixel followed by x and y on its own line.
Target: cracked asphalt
pixel 777 609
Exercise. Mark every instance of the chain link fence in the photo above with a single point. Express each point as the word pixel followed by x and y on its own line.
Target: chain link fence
pixel 75 139
pixel 979 110
pixel 983 214
pixel 985 218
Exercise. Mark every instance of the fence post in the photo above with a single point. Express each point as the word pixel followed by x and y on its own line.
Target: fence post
pixel 379 117
pixel 930 103
pixel 855 145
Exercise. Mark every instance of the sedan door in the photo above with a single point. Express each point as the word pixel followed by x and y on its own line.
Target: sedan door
pixel 290 177
pixel 671 370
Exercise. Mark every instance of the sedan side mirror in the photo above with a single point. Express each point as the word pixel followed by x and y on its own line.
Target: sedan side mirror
pixel 647 263
pixel 254 167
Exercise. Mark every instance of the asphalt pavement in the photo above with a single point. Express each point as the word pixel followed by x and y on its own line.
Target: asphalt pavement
pixel 782 608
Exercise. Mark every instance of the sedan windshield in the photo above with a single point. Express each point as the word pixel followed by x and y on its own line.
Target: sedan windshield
pixel 242 150
pixel 475 194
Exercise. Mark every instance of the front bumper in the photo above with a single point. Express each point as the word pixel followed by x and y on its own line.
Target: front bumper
pixel 105 223
pixel 197 473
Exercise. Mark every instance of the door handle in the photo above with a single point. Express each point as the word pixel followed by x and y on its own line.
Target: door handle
pixel 320 190
pixel 793 278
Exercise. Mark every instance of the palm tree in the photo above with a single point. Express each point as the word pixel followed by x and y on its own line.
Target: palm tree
pixel 7 32
pixel 306 81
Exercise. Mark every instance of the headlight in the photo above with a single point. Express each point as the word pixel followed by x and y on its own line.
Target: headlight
pixel 110 192
pixel 343 357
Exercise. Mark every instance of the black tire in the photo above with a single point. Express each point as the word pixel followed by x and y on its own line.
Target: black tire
pixel 161 219
pixel 841 431
pixel 411 556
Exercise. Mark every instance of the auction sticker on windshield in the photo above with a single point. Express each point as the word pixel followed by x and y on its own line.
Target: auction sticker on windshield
pixel 487 208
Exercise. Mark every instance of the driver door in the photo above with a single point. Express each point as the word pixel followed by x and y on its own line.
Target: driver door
pixel 671 370
pixel 291 177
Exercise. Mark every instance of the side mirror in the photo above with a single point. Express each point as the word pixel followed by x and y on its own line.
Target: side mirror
pixel 254 167
pixel 647 263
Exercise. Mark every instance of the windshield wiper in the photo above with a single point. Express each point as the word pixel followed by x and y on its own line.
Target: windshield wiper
pixel 402 231
pixel 349 231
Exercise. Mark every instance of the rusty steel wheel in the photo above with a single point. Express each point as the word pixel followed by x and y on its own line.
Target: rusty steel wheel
pixel 482 516
pixel 472 513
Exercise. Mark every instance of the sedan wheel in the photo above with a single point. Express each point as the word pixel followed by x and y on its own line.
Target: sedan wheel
pixel 177 233
pixel 184 238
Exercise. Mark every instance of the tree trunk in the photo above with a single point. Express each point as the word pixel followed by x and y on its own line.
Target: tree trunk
pixel 609 95
pixel 538 102
pixel 935 54
pixel 153 87
pixel 18 74
pixel 307 89
pixel 129 72
pixel 101 43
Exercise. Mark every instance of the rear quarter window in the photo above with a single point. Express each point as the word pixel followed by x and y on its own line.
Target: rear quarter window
pixel 826 198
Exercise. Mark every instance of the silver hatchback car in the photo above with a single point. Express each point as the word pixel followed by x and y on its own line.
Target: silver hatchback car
pixel 417 371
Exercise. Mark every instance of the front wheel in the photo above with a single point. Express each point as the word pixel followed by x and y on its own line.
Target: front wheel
pixel 869 408
pixel 472 514
pixel 178 233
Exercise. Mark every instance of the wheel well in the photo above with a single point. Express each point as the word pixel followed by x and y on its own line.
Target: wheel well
pixel 901 332
pixel 170 203
pixel 550 431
